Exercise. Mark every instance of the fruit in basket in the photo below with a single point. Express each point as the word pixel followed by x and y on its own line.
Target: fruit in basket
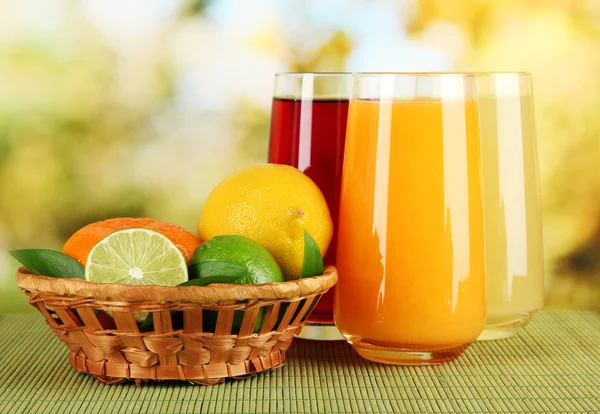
pixel 272 205
pixel 257 263
pixel 83 240
pixel 136 257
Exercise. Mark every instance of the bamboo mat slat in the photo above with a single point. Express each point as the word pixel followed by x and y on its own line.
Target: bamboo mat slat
pixel 551 367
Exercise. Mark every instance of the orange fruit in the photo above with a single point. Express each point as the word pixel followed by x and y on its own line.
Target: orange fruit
pixel 272 205
pixel 83 240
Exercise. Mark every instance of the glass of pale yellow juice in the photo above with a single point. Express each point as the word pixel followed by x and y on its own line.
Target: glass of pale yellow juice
pixel 410 252
pixel 513 225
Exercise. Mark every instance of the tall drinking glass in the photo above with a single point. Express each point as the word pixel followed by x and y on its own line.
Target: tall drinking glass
pixel 308 131
pixel 410 251
pixel 513 225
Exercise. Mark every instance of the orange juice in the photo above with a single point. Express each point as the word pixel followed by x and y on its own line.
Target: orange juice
pixel 411 229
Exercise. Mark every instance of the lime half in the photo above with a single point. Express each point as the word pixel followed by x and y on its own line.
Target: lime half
pixel 136 257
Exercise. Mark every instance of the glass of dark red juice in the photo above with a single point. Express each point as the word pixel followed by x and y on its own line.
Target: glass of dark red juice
pixel 308 131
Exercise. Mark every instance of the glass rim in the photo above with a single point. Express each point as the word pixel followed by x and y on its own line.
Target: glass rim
pixel 415 74
pixel 325 74
pixel 439 74
pixel 519 74
pixel 423 74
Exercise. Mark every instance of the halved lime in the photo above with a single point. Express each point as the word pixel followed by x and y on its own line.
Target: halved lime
pixel 136 257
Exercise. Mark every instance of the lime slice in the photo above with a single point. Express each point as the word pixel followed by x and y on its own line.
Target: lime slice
pixel 136 257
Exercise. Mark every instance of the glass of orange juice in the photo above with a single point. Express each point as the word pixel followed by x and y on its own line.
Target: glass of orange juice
pixel 410 252
pixel 513 224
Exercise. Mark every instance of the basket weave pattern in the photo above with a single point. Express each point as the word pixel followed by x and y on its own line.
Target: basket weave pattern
pixel 178 346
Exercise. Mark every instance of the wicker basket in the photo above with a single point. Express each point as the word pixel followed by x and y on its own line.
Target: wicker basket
pixel 177 347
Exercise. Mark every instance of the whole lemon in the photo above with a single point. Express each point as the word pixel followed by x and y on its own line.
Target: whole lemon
pixel 271 204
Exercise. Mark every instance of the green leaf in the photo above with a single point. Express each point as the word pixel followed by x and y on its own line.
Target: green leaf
pixel 207 280
pixel 148 323
pixel 49 263
pixel 214 270
pixel 312 265
pixel 196 257
pixel 205 273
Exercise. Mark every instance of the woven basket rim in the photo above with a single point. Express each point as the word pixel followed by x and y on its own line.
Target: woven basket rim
pixel 214 293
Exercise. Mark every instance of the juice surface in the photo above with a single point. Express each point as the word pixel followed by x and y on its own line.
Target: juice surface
pixel 514 247
pixel 410 246
pixel 310 135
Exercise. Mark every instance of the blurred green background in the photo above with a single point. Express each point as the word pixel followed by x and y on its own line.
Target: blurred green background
pixel 138 108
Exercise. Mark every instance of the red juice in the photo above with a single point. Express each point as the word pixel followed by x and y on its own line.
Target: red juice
pixel 310 135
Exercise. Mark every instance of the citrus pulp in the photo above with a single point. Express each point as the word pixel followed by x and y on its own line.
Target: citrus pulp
pixel 136 257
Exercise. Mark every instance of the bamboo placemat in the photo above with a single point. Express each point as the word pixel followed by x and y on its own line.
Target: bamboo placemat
pixel 551 367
